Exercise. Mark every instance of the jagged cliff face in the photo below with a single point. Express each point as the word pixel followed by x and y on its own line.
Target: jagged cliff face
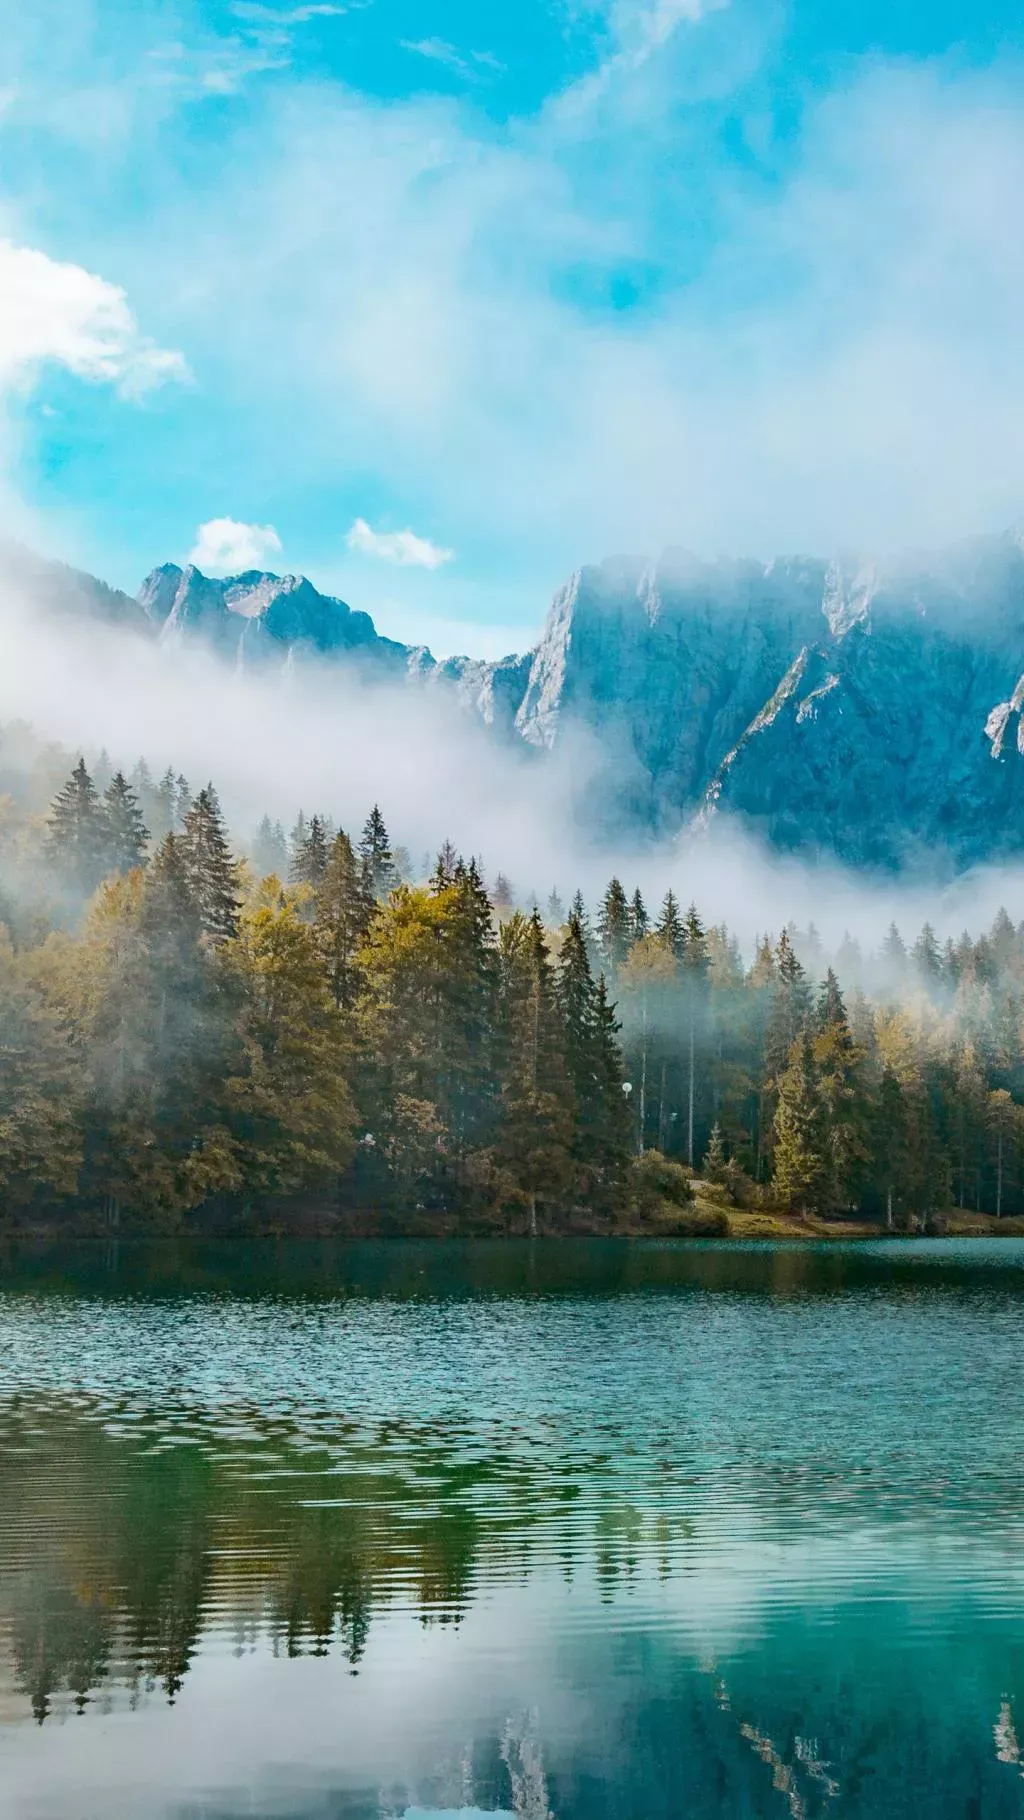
pixel 873 713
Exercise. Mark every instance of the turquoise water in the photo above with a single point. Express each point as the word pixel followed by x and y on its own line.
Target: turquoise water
pixel 578 1530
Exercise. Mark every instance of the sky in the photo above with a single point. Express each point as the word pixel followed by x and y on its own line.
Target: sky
pixel 435 302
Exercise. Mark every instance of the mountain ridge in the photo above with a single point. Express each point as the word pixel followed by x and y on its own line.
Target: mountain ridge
pixel 871 711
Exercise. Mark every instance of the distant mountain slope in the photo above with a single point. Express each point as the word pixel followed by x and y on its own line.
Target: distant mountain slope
pixel 874 713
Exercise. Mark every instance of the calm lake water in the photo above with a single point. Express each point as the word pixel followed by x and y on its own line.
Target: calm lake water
pixel 583 1530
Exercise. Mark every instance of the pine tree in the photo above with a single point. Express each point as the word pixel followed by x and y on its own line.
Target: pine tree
pixel 835 1058
pixel 556 910
pixel 210 870
pixel 927 959
pixel 270 850
pixel 790 1008
pixel 124 832
pixel 601 1143
pixel 341 920
pixel 296 842
pixel 695 997
pixel 443 874
pixel 613 928
pixel 309 860
pixel 182 801
pixel 670 927
pixel 799 1135
pixel 639 922
pixel 714 1167
pixel 379 874
pixel 164 808
pixel 466 1060
pixel 535 1135
pixel 76 831
pixel 502 898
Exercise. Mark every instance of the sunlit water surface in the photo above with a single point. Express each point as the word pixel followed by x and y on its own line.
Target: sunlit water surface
pixel 578 1530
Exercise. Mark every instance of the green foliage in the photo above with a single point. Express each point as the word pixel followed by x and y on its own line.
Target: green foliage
pixel 344 1036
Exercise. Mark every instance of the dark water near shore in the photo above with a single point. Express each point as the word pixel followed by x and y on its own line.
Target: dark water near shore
pixel 581 1530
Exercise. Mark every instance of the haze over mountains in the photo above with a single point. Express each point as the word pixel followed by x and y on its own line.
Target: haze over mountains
pixel 872 713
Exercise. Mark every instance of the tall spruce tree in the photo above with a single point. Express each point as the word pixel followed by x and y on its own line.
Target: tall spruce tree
pixel 670 927
pixel 694 981
pixel 613 927
pixel 379 875
pixel 210 870
pixel 639 921
pixel 309 860
pixel 270 850
pixel 466 1051
pixel 125 834
pixel 76 833
pixel 800 1164
pixel 601 1141
pixel 535 1135
pixel 341 921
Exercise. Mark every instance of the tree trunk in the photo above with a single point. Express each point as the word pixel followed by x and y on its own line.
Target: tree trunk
pixel 888 1210
pixel 643 1083
pixel 689 1105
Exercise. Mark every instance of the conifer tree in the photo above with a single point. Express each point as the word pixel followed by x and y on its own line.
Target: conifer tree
pixel 535 1136
pixel 342 919
pixel 799 1133
pixel 695 993
pixel 76 832
pixel 639 922
pixel 270 850
pixel 790 1008
pixel 379 875
pixel 163 814
pixel 927 959
pixel 210 870
pixel 613 928
pixel 124 832
pixel 466 1054
pixel 835 1058
pixel 296 841
pixel 601 1140
pixel 714 1166
pixel 182 801
pixel 670 928
pixel 502 897
pixel 445 864
pixel 555 911
pixel 309 860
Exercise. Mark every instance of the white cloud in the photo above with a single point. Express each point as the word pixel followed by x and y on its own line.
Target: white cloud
pixel 436 51
pixel 225 547
pixel 401 547
pixel 51 311
pixel 286 16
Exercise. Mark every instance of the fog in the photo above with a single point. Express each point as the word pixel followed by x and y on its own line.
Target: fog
pixel 275 741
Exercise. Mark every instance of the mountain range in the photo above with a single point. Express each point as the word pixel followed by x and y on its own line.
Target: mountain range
pixel 868 711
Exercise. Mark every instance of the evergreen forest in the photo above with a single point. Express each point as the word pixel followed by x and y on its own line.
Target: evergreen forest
pixel 196 1036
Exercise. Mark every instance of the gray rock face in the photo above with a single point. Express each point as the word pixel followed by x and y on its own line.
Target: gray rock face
pixel 875 713
pixel 261 617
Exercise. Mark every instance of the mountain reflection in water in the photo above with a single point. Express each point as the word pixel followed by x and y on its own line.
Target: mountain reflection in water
pixel 578 1530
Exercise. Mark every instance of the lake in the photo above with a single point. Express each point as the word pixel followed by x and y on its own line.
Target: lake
pixel 585 1530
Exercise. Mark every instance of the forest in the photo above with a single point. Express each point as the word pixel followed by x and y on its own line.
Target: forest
pixel 198 1035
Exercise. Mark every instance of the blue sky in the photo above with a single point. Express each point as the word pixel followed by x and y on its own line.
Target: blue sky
pixel 434 301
